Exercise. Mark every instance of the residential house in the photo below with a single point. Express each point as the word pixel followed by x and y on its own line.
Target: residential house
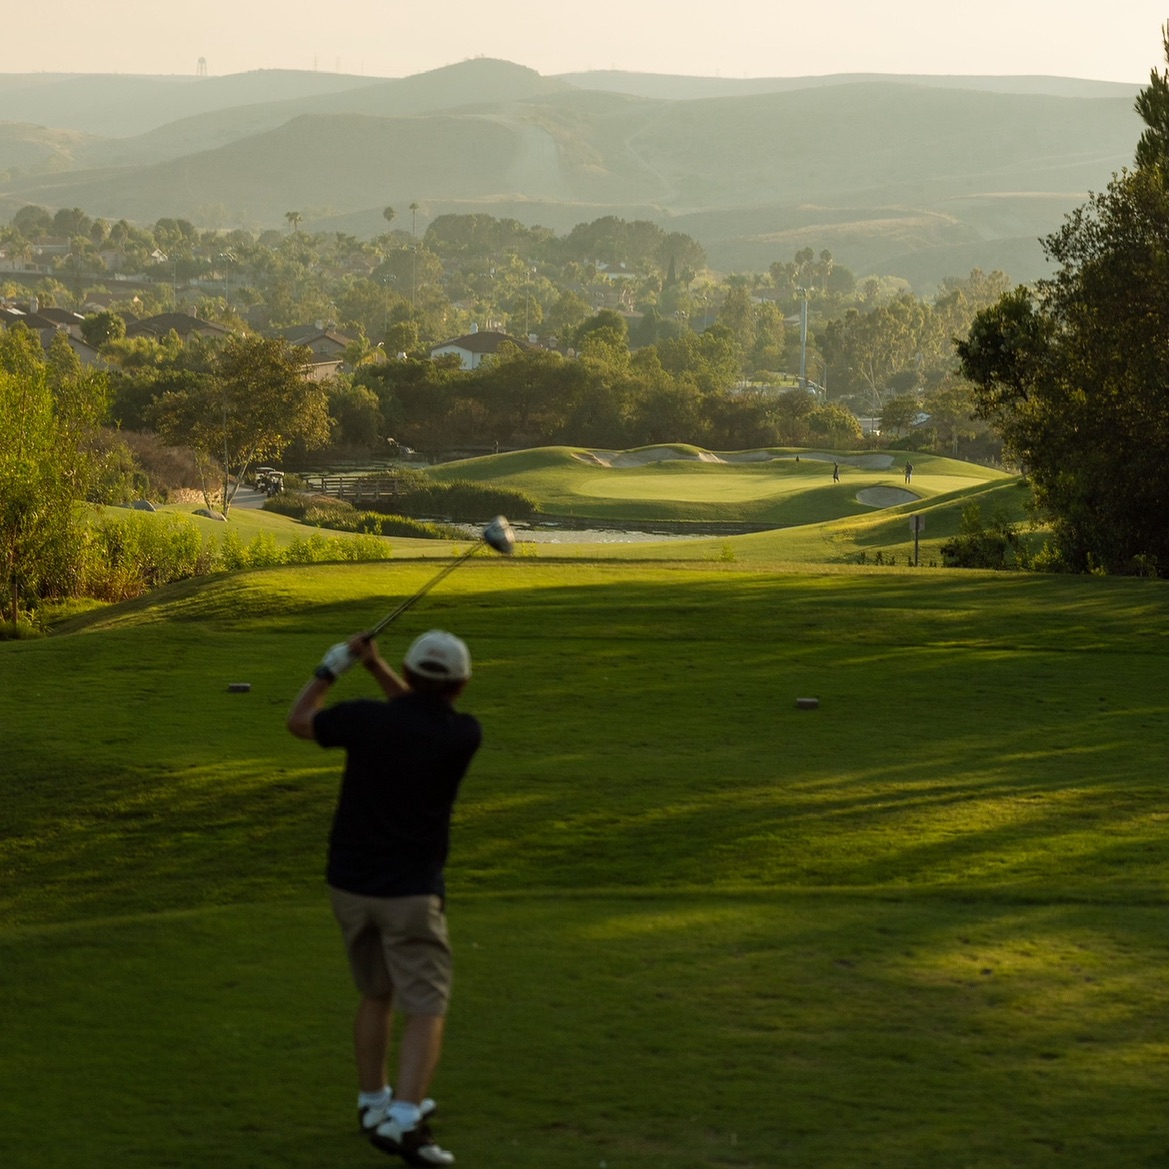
pixel 44 324
pixel 182 323
pixel 320 369
pixel 321 338
pixel 475 346
pixel 64 318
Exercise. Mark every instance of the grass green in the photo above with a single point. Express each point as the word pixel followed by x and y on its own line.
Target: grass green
pixel 696 926
pixel 924 924
pixel 779 491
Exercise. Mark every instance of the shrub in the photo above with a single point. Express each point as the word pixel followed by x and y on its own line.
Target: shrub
pixel 975 546
pixel 261 551
pixel 21 630
pixel 375 524
pixel 471 502
pixel 318 549
pixel 128 555
pixel 297 505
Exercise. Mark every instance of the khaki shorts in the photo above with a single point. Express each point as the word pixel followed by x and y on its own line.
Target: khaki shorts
pixel 397 946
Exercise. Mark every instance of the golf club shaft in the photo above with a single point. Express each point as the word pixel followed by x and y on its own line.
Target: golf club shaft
pixel 420 593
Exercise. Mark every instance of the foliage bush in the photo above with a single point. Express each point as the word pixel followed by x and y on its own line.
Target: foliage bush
pixel 22 630
pixel 472 502
pixel 995 545
pixel 297 504
pixel 375 523
pixel 121 556
pixel 152 469
pixel 264 552
pixel 318 549
pixel 126 556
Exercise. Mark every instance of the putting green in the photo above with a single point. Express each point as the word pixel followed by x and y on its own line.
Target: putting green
pixel 691 487
pixel 762 487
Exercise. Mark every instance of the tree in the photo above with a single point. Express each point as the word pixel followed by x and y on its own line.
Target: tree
pixel 950 405
pixel 48 415
pixel 791 413
pixel 294 219
pixel 357 413
pixel 835 424
pixel 865 350
pixel 1153 106
pixel 567 312
pixel 102 327
pixel 253 403
pixel 1075 375
pixel 738 313
pixel 898 413
pixel 33 222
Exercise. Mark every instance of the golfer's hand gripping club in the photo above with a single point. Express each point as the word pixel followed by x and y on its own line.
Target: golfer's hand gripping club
pixel 338 658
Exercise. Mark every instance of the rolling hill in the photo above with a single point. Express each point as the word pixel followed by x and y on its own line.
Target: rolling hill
pixel 916 177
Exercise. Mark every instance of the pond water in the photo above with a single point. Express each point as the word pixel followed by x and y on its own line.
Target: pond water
pixel 555 534
pixel 600 536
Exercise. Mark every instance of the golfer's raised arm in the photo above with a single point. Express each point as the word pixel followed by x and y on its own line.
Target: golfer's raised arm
pixel 364 648
pixel 337 660
pixel 305 706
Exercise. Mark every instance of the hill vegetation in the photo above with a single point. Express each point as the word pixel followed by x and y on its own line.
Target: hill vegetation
pixel 898 176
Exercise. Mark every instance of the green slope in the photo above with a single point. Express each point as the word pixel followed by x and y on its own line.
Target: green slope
pixel 673 483
pixel 880 925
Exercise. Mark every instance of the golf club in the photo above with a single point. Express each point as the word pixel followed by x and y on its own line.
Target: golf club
pixel 497 535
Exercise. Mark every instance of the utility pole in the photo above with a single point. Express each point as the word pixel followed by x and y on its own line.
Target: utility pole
pixel 804 339
pixel 414 259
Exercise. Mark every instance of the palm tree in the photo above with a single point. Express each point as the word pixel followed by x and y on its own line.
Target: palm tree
pixel 388 215
pixel 414 262
pixel 294 218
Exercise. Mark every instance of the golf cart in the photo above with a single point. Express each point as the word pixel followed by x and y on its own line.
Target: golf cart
pixel 269 480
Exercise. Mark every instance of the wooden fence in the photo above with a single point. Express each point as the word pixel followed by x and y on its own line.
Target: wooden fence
pixel 356 488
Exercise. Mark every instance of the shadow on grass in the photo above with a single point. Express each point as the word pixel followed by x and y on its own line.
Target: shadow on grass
pixel 755 1030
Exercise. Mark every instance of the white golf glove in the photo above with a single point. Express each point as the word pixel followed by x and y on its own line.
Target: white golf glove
pixel 336 661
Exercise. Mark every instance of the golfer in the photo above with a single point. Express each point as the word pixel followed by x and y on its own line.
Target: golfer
pixel 405 759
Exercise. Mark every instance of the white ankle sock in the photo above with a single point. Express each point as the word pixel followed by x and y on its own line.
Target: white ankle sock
pixel 373 1099
pixel 407 1115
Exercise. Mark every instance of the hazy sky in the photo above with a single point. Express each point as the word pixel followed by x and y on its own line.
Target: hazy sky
pixel 1117 41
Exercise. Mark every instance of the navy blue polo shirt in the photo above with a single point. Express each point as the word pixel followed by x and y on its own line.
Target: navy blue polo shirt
pixel 405 759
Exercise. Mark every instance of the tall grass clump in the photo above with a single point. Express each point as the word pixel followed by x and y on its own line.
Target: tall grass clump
pixel 460 500
pixel 319 549
pixel 263 551
pixel 463 500
pixel 373 523
pixel 297 505
pixel 124 556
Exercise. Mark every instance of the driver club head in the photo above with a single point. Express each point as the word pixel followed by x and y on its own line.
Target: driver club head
pixel 499 535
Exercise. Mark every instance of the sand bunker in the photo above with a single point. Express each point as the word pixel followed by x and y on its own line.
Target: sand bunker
pixel 863 462
pixel 885 496
pixel 664 454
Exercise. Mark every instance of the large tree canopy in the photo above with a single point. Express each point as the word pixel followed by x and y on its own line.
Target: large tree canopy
pixel 49 409
pixel 1075 375
pixel 253 402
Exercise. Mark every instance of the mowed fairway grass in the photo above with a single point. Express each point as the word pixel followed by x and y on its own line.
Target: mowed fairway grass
pixel 924 925
pixel 674 483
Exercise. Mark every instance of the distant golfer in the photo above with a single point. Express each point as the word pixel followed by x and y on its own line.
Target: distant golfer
pixel 404 760
pixel 908 472
pixel 835 472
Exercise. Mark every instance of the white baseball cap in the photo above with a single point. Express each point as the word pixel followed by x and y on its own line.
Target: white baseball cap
pixel 439 655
